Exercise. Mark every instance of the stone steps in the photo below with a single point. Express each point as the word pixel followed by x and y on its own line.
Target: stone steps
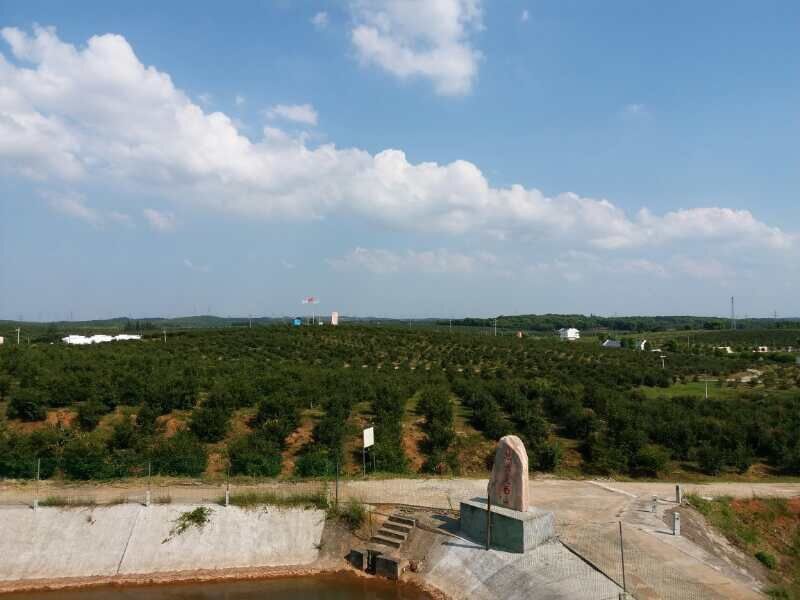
pixel 394 531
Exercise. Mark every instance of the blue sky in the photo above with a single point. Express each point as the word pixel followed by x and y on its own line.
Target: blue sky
pixel 399 158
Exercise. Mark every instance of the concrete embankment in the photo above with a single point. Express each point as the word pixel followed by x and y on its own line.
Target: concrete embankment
pixel 129 539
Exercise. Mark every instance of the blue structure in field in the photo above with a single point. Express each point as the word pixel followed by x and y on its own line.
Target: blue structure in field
pixel 297 322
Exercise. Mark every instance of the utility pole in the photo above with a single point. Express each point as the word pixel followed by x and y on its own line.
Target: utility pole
pixel 495 327
pixel 733 313
pixel 164 331
pixel 18 330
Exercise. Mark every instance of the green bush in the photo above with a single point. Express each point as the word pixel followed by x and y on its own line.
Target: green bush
pixel 650 460
pixel 316 463
pixel 27 404
pixel 255 455
pixel 85 457
pixel 710 459
pixel 90 413
pixel 766 559
pixel 182 454
pixel 210 422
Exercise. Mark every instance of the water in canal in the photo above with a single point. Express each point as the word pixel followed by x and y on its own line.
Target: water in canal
pixel 325 587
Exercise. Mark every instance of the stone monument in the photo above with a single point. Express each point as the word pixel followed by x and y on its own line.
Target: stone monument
pixel 512 524
pixel 508 486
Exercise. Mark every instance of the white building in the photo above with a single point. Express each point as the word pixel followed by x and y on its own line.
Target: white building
pixel 2 340
pixel 569 334
pixel 82 340
pixel 334 318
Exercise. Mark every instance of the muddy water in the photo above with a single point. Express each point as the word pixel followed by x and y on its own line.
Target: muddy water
pixel 326 587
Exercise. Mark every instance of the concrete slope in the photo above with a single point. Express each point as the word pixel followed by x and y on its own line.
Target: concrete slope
pixel 130 539
pixel 550 572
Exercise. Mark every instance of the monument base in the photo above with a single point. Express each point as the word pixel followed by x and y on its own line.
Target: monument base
pixel 512 530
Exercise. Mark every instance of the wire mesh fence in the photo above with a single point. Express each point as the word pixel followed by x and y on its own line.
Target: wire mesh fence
pixel 620 551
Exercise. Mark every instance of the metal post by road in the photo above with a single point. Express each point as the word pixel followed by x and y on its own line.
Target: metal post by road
pixel 336 496
pixel 488 516
pixel 228 486
pixel 622 556
pixel 36 491
pixel 147 495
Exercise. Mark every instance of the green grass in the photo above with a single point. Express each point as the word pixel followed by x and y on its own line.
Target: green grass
pixel 721 515
pixel 251 500
pixel 693 388
pixel 767 529
pixel 353 513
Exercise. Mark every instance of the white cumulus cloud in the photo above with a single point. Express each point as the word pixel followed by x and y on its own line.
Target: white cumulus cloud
pixel 74 116
pixel 382 261
pixel 320 20
pixel 159 220
pixel 431 39
pixel 299 113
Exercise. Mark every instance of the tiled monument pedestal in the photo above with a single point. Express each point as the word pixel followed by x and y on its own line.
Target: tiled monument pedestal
pixel 512 530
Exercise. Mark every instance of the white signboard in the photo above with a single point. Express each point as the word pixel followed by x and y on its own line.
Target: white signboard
pixel 369 437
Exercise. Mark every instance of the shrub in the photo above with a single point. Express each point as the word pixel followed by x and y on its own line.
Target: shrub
pixel 255 455
pixel 27 404
pixel 650 460
pixel 182 454
pixel 210 422
pixel 90 413
pixel 85 457
pixel 353 513
pixel 548 456
pixel 766 559
pixel 316 463
pixel 710 459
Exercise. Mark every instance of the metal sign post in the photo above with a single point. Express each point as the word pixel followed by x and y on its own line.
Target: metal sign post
pixel 369 440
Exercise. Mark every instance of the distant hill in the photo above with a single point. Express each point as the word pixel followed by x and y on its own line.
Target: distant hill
pixel 533 323
pixel 552 322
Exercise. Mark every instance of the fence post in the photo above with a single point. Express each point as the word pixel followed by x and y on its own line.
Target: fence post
pixel 147 493
pixel 36 490
pixel 228 486
pixel 336 501
pixel 489 515
pixel 676 523
pixel 678 494
pixel 622 556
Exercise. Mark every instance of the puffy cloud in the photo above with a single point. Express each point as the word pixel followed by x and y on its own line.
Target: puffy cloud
pixel 525 16
pixel 429 261
pixel 299 113
pixel 158 220
pixel 320 20
pixel 73 205
pixel 97 115
pixel 197 268
pixel 420 38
